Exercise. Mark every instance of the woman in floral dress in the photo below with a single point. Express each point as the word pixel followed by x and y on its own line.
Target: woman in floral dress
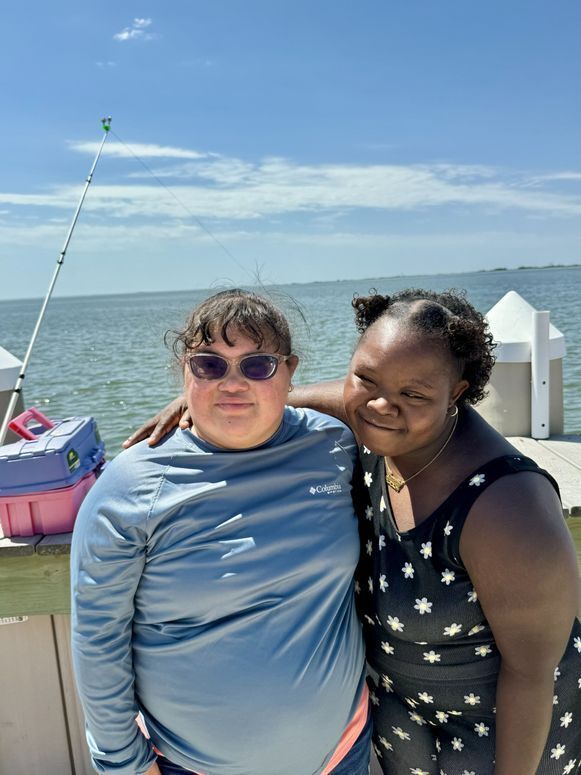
pixel 468 575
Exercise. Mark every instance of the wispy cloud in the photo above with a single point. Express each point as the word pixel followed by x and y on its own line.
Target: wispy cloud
pixel 106 65
pixel 559 176
pixel 228 188
pixel 138 30
pixel 120 151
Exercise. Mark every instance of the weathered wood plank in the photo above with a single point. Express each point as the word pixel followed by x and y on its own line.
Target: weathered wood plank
pixel 34 585
pixel 73 709
pixel 33 732
pixel 18 546
pixel 59 543
pixel 574 525
pixel 568 447
pixel 566 474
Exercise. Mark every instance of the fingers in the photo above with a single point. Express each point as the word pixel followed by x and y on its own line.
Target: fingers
pixel 157 427
pixel 186 420
pixel 165 423
pixel 141 433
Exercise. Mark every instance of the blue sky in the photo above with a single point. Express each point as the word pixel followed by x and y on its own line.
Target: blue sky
pixel 312 139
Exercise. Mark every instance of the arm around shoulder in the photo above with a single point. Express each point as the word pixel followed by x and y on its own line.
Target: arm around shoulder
pixel 326 397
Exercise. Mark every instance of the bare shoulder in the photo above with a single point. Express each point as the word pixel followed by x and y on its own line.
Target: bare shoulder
pixel 518 517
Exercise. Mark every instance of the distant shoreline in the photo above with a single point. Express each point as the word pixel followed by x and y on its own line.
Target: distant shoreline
pixel 311 282
pixel 518 268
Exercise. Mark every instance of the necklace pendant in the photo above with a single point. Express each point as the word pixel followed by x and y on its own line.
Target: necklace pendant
pixel 395 482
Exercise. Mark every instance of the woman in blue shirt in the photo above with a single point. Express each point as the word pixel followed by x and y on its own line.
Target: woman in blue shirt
pixel 212 575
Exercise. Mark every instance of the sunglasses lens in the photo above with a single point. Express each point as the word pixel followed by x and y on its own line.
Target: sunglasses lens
pixel 208 366
pixel 259 366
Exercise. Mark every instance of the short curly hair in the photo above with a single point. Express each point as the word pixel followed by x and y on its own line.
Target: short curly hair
pixel 447 317
pixel 228 313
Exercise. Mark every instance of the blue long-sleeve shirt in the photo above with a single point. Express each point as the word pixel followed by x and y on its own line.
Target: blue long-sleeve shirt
pixel 212 591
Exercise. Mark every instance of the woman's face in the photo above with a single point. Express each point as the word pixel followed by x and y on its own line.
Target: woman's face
pixel 399 389
pixel 235 412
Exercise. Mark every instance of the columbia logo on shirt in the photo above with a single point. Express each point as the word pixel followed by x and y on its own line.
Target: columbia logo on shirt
pixel 326 489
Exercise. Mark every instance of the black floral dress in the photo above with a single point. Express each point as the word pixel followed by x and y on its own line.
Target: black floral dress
pixel 433 659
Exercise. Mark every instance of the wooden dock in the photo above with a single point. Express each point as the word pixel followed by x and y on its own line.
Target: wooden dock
pixel 561 457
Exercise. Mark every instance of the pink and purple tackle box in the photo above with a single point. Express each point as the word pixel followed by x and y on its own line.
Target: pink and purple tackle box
pixel 45 476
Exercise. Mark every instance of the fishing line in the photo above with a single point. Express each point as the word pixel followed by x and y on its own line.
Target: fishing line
pixel 185 207
pixel 292 307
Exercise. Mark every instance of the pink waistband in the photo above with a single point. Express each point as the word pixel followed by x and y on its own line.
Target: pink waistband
pixel 351 733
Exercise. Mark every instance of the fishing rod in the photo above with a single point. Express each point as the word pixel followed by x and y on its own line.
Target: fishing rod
pixel 106 123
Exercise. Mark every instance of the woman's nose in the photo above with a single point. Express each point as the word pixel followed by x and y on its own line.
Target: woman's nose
pixel 234 381
pixel 382 405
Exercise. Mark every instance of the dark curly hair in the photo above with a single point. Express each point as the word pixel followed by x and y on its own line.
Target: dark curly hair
pixel 447 317
pixel 230 312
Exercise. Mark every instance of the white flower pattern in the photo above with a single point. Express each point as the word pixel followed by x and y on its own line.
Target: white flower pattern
pixel 423 606
pixel 408 570
pixel 400 733
pixel 425 697
pixel 445 608
pixel 387 683
pixel 395 623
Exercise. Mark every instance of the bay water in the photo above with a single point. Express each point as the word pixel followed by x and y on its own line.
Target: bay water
pixel 104 355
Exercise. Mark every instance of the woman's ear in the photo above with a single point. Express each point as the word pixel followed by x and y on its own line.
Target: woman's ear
pixel 292 364
pixel 459 388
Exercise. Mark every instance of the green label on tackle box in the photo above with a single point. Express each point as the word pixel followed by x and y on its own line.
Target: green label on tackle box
pixel 73 460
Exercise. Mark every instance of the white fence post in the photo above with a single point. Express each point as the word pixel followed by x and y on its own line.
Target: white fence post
pixel 525 392
pixel 540 375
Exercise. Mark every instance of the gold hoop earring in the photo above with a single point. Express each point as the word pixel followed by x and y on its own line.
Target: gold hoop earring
pixel 455 412
pixel 291 387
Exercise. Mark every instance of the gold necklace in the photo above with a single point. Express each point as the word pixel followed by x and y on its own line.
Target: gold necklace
pixel 397 483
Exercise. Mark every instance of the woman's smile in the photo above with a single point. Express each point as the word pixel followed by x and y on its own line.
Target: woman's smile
pixel 375 423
